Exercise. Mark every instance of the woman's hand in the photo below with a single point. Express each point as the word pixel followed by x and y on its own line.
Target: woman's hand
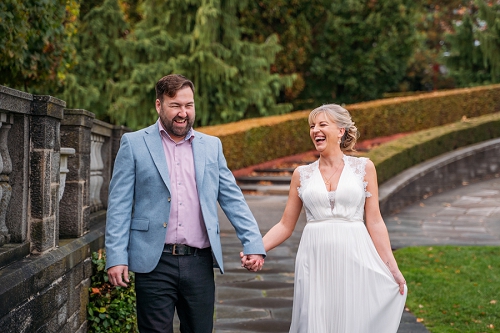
pixel 400 279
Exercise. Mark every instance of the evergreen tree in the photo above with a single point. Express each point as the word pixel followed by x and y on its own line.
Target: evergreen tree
pixel 35 43
pixel 362 50
pixel 200 39
pixel 435 18
pixel 489 36
pixel 91 83
pixel 473 52
pixel 296 23
pixel 344 51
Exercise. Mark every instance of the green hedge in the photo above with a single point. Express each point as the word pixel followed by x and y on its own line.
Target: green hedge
pixel 258 140
pixel 396 156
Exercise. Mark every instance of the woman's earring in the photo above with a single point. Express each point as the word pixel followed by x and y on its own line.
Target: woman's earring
pixel 340 140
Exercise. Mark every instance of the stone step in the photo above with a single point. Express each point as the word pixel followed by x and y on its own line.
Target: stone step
pixel 264 180
pixel 265 189
pixel 274 170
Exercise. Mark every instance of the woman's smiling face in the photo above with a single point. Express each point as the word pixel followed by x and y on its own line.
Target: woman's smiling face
pixel 324 132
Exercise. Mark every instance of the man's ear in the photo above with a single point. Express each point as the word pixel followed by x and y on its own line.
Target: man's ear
pixel 158 105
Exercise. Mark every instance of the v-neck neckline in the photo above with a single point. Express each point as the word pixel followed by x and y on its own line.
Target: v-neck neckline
pixel 340 177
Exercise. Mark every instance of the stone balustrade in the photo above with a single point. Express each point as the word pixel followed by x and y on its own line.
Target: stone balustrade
pixel 55 168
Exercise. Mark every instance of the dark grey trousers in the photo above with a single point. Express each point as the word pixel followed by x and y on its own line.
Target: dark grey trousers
pixel 185 283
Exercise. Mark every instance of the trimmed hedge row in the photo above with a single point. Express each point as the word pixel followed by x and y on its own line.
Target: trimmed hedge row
pixel 396 156
pixel 253 141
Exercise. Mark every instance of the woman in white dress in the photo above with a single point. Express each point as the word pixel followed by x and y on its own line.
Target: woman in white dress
pixel 346 277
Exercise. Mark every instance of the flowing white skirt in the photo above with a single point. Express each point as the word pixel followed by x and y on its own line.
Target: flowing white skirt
pixel 342 284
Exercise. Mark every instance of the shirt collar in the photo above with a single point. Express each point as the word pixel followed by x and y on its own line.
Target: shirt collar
pixel 189 136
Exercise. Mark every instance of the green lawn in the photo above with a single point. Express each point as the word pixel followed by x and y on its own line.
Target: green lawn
pixel 453 288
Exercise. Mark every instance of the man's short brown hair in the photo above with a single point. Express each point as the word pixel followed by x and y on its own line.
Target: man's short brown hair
pixel 169 85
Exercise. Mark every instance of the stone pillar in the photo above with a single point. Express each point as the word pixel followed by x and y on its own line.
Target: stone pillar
pixel 74 212
pixel 47 113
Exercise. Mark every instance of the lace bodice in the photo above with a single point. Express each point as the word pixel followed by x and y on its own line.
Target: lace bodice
pixel 346 202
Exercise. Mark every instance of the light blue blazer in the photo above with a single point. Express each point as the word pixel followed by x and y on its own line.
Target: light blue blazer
pixel 139 201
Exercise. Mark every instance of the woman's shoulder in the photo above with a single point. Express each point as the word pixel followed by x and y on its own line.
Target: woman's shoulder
pixel 359 164
pixel 307 167
pixel 357 160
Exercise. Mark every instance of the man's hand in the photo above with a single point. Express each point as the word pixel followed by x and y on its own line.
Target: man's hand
pixel 252 262
pixel 118 275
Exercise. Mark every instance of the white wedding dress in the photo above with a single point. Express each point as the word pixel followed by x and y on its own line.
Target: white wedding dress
pixel 341 283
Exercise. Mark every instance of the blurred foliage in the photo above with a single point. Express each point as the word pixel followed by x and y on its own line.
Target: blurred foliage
pixel 110 309
pixel 247 58
pixel 91 83
pixel 36 47
pixel 474 50
pixel 201 40
pixel 342 51
pixel 435 19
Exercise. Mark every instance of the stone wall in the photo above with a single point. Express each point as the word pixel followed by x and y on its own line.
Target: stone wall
pixel 55 167
pixel 456 168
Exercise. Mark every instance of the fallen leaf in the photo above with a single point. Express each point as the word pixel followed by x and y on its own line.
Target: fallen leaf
pixel 493 301
pixel 419 320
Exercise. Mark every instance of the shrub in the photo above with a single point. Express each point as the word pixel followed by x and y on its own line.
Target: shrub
pixel 253 141
pixel 110 309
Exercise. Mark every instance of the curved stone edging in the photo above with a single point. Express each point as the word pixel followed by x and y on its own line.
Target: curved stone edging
pixel 444 172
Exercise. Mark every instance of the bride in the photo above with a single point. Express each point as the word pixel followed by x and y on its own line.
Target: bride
pixel 346 277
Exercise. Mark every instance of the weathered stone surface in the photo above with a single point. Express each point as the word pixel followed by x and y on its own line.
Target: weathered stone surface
pixel 44 132
pixel 15 100
pixel 44 105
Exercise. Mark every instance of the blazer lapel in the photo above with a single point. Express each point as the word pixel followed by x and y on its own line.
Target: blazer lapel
pixel 199 155
pixel 155 146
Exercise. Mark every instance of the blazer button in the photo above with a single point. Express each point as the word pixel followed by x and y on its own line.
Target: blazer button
pixel 164 224
pixel 169 199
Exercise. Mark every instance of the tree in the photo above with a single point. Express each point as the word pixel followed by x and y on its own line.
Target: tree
pixel 35 43
pixel 435 19
pixel 296 23
pixel 362 51
pixel 91 83
pixel 473 52
pixel 200 39
pixel 344 51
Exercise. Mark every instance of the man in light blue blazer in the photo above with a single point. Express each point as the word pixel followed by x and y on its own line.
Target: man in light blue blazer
pixel 162 220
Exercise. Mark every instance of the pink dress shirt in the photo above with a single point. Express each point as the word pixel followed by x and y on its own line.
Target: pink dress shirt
pixel 185 223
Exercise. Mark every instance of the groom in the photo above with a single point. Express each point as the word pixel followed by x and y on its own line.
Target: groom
pixel 162 218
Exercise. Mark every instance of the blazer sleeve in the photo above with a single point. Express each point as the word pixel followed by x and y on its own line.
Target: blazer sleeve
pixel 120 201
pixel 234 205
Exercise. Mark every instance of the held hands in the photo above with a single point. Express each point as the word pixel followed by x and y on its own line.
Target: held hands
pixel 118 275
pixel 252 262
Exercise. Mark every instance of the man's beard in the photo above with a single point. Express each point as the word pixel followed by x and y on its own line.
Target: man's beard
pixel 176 131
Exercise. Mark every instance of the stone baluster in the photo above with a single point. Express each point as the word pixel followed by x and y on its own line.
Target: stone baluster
pixel 6 121
pixel 63 169
pixel 96 171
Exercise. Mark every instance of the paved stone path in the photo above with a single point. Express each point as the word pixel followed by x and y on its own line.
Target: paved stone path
pixel 262 302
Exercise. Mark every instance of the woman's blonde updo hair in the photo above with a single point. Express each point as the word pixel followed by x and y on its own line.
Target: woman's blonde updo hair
pixel 342 119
